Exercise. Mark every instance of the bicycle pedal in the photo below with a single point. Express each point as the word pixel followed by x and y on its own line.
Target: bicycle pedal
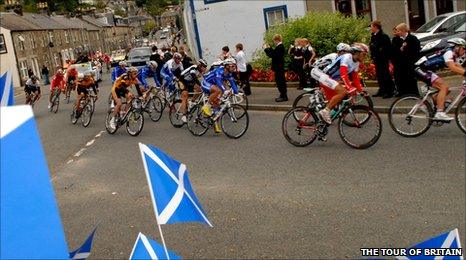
pixel 323 139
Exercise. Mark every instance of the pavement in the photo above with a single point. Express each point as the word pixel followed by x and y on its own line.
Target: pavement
pixel 265 197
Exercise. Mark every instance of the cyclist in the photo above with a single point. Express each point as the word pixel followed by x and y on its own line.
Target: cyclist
pixel 118 71
pixel 32 86
pixel 344 68
pixel 58 82
pixel 190 80
pixel 213 85
pixel 446 58
pixel 70 77
pixel 120 90
pixel 82 87
pixel 150 70
pixel 323 62
pixel 170 70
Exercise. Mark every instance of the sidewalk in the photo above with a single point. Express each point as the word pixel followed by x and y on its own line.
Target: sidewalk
pixel 263 97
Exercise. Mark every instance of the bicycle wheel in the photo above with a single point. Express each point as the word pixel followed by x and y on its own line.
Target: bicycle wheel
pixel 460 115
pixel 241 100
pixel 410 117
pixel 235 121
pixel 86 115
pixel 67 95
pixel 299 126
pixel 154 108
pixel 55 103
pixel 359 134
pixel 109 116
pixel 197 123
pixel 134 123
pixel 73 116
pixel 175 114
pixel 302 100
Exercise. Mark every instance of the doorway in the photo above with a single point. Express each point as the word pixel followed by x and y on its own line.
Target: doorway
pixel 416 14
pixel 444 6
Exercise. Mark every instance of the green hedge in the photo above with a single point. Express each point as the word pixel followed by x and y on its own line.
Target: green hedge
pixel 324 30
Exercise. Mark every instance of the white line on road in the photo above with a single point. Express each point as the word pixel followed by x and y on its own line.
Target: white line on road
pixel 80 152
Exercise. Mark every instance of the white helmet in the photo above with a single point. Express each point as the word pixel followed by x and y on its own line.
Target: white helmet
pixel 177 55
pixel 457 41
pixel 132 69
pixel 343 47
pixel 229 61
pixel 122 63
pixel 359 47
pixel 152 63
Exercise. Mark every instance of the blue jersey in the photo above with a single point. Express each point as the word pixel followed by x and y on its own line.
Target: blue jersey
pixel 217 76
pixel 146 72
pixel 169 68
pixel 346 60
pixel 117 72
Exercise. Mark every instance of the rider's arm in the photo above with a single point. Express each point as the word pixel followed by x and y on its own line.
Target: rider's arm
pixel 138 89
pixel 345 77
pixel 156 80
pixel 456 68
pixel 143 80
pixel 356 81
pixel 233 85
pixel 94 88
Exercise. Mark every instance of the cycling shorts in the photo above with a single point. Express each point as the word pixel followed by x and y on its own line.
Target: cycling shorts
pixel 323 78
pixel 121 92
pixel 206 87
pixel 82 90
pixel 30 89
pixel 187 85
pixel 427 77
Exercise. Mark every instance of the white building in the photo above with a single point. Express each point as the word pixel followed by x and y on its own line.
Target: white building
pixel 7 56
pixel 212 24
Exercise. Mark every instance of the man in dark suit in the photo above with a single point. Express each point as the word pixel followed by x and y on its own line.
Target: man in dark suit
pixel 278 66
pixel 380 49
pixel 409 54
pixel 396 57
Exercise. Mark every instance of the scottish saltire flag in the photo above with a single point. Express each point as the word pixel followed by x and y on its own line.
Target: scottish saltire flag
pixel 146 248
pixel 448 240
pixel 85 250
pixel 172 195
pixel 6 90
pixel 30 220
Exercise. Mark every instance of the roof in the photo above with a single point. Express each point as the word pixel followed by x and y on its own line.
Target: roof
pixel 15 22
pixel 74 23
pixel 43 21
pixel 95 22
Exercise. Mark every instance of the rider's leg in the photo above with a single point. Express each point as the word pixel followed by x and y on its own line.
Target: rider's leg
pixel 215 93
pixel 118 103
pixel 184 101
pixel 339 96
pixel 38 94
pixel 442 94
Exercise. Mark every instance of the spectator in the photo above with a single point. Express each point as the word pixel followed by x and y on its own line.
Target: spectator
pixel 380 47
pixel 409 54
pixel 186 60
pixel 309 55
pixel 30 72
pixel 297 61
pixel 242 69
pixel 395 57
pixel 278 65
pixel 155 55
pixel 45 74
pixel 225 53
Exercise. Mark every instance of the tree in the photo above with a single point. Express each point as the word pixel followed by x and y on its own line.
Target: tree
pixel 149 27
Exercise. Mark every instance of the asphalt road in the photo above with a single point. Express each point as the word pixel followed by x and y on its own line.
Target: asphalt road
pixel 265 198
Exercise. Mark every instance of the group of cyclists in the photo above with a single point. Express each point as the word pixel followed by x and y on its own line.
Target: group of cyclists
pixel 337 74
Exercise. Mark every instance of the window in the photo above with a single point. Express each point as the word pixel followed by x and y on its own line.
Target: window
pixel 33 42
pixel 66 37
pixel 23 69
pixel 359 8
pixel 344 7
pixel 2 44
pixel 51 37
pixel 275 15
pixel 363 8
pixel 21 42
pixel 212 1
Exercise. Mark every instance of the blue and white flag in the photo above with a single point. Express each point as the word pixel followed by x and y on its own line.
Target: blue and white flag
pixel 85 250
pixel 146 248
pixel 445 246
pixel 6 90
pixel 30 221
pixel 172 195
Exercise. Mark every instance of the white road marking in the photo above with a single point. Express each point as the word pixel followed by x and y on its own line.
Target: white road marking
pixel 70 161
pixel 90 142
pixel 80 152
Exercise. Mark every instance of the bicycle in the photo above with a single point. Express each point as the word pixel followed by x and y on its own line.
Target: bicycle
pixel 87 106
pixel 175 113
pixel 413 115
pixel 69 88
pixel 230 116
pixel 133 118
pixel 301 126
pixel 55 100
pixel 31 99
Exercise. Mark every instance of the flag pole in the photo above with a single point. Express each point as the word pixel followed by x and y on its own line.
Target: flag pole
pixel 163 239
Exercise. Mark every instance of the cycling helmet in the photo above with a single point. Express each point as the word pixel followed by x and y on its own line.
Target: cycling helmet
pixel 229 61
pixel 60 72
pixel 132 69
pixel 359 47
pixel 34 77
pixel 202 62
pixel 122 63
pixel 88 74
pixel 457 41
pixel 152 63
pixel 343 47
pixel 178 56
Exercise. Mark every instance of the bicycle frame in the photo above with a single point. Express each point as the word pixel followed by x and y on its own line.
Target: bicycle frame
pixel 430 92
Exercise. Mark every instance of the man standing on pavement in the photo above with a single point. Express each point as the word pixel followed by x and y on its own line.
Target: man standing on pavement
pixel 242 69
pixel 380 47
pixel 409 54
pixel 278 65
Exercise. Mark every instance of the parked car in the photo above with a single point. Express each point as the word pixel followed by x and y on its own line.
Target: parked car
pixel 440 24
pixel 437 42
pixel 138 57
pixel 117 56
pixel 85 67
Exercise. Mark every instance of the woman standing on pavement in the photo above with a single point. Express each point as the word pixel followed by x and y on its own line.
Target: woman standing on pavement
pixel 297 63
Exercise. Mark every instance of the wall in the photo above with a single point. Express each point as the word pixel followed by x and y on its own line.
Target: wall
pixel 390 13
pixel 8 60
pixel 189 30
pixel 229 22
pixel 319 6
